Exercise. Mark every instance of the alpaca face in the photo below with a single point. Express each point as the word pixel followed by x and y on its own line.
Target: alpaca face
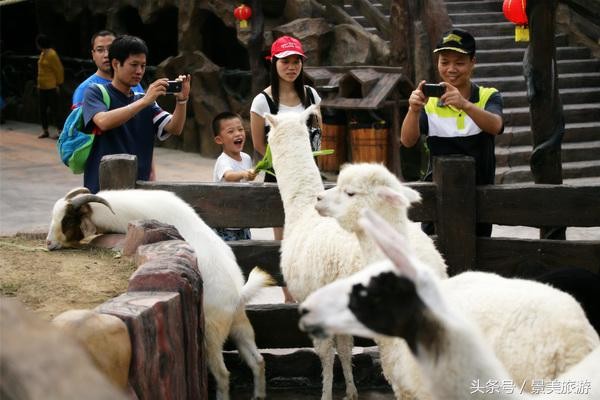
pixel 361 186
pixel 287 126
pixel 390 305
pixel 325 312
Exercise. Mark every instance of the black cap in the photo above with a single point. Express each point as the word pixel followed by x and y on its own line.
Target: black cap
pixel 457 40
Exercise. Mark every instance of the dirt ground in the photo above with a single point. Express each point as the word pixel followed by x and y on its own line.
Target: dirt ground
pixel 50 282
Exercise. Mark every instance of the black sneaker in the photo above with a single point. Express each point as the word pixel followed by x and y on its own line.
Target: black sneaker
pixel 44 135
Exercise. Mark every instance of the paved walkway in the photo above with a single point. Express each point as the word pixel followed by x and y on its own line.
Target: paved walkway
pixel 32 178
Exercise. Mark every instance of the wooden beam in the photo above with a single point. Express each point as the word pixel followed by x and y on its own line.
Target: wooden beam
pixel 530 258
pixel 455 226
pixel 258 253
pixel 539 205
pixel 276 327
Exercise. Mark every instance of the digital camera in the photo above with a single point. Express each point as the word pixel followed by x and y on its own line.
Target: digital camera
pixel 174 87
pixel 433 90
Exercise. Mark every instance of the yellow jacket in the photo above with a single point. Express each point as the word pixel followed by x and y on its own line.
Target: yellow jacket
pixel 50 70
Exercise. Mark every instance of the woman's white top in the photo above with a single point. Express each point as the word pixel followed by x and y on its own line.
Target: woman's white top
pixel 260 106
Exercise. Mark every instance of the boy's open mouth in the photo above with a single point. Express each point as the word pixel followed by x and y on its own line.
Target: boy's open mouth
pixel 238 141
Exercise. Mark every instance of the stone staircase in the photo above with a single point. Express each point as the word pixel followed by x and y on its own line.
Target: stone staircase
pixel 370 14
pixel 500 65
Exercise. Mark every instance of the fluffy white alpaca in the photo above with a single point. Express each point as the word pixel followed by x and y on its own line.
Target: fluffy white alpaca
pixel 365 185
pixel 80 214
pixel 372 185
pixel 536 331
pixel 315 250
pixel 408 301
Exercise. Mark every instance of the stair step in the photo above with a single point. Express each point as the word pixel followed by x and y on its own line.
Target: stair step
pixel 351 10
pixel 466 17
pixel 574 132
pixel 517 83
pixel 516 68
pixel 517 54
pixel 572 113
pixel 570 152
pixel 570 170
pixel 361 19
pixel 488 29
pixel 300 370
pixel 474 6
pixel 567 96
pixel 500 42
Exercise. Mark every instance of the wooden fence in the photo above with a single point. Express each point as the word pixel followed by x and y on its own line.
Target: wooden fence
pixel 452 201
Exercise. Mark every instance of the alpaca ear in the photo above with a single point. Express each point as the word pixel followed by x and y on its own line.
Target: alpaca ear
pixel 271 119
pixel 390 241
pixel 308 112
pixel 402 198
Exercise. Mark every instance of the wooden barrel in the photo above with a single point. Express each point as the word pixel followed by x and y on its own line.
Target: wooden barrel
pixel 369 144
pixel 334 137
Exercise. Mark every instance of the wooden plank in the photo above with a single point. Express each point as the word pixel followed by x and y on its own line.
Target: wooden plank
pixel 117 171
pixel 287 335
pixel 529 258
pixel 258 253
pixel 455 227
pixel 426 210
pixel 229 205
pixel 367 78
pixel 539 205
pixel 383 89
pixel 258 205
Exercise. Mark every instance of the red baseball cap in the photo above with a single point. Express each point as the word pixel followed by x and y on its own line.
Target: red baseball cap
pixel 286 46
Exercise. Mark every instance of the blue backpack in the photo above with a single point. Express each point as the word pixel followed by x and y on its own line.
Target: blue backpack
pixel 73 144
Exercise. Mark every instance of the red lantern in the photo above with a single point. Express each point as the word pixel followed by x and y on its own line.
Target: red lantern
pixel 515 12
pixel 243 14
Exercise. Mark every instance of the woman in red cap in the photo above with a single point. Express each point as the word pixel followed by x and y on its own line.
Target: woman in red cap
pixel 287 92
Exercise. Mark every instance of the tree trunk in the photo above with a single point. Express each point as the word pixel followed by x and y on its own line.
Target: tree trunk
pixel 255 47
pixel 545 107
pixel 401 37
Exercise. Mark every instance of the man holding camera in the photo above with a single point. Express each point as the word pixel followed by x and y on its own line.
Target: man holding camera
pixel 101 42
pixel 457 116
pixel 133 119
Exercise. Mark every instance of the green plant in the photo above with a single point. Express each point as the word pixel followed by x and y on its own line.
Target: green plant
pixel 266 164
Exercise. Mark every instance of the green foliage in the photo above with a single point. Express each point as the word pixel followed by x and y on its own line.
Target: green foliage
pixel 266 164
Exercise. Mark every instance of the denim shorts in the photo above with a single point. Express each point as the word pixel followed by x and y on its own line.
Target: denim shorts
pixel 228 234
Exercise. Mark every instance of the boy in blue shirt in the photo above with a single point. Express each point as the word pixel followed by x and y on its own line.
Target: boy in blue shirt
pixel 133 120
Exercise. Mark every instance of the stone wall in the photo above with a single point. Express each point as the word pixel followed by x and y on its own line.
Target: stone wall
pixel 189 36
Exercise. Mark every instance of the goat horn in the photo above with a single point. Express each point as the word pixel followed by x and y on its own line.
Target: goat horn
pixel 74 192
pixel 89 198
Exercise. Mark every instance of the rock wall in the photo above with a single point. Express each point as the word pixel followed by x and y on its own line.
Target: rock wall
pixel 200 37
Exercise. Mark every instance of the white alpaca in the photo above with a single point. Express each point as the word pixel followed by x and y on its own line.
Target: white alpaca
pixel 80 214
pixel 455 358
pixel 372 185
pixel 365 185
pixel 536 331
pixel 315 250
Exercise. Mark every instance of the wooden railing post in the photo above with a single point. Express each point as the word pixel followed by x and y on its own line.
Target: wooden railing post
pixel 118 171
pixel 456 211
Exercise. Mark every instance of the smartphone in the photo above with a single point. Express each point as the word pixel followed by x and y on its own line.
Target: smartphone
pixel 433 90
pixel 174 87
